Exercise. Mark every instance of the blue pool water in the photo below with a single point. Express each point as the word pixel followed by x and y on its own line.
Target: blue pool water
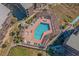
pixel 42 27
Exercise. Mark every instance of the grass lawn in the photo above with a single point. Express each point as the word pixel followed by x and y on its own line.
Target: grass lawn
pixel 23 51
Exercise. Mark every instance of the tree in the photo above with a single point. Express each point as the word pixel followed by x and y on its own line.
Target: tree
pixel 39 54
pixel 12 34
pixel 19 26
pixel 4 45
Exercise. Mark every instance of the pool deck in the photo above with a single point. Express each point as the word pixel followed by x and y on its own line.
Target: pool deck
pixel 28 34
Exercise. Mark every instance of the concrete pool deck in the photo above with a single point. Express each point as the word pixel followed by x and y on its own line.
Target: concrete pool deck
pixel 28 34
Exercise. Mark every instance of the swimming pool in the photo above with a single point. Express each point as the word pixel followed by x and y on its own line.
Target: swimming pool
pixel 42 27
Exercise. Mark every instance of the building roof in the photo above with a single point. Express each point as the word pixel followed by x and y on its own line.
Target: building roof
pixel 74 42
pixel 3 14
